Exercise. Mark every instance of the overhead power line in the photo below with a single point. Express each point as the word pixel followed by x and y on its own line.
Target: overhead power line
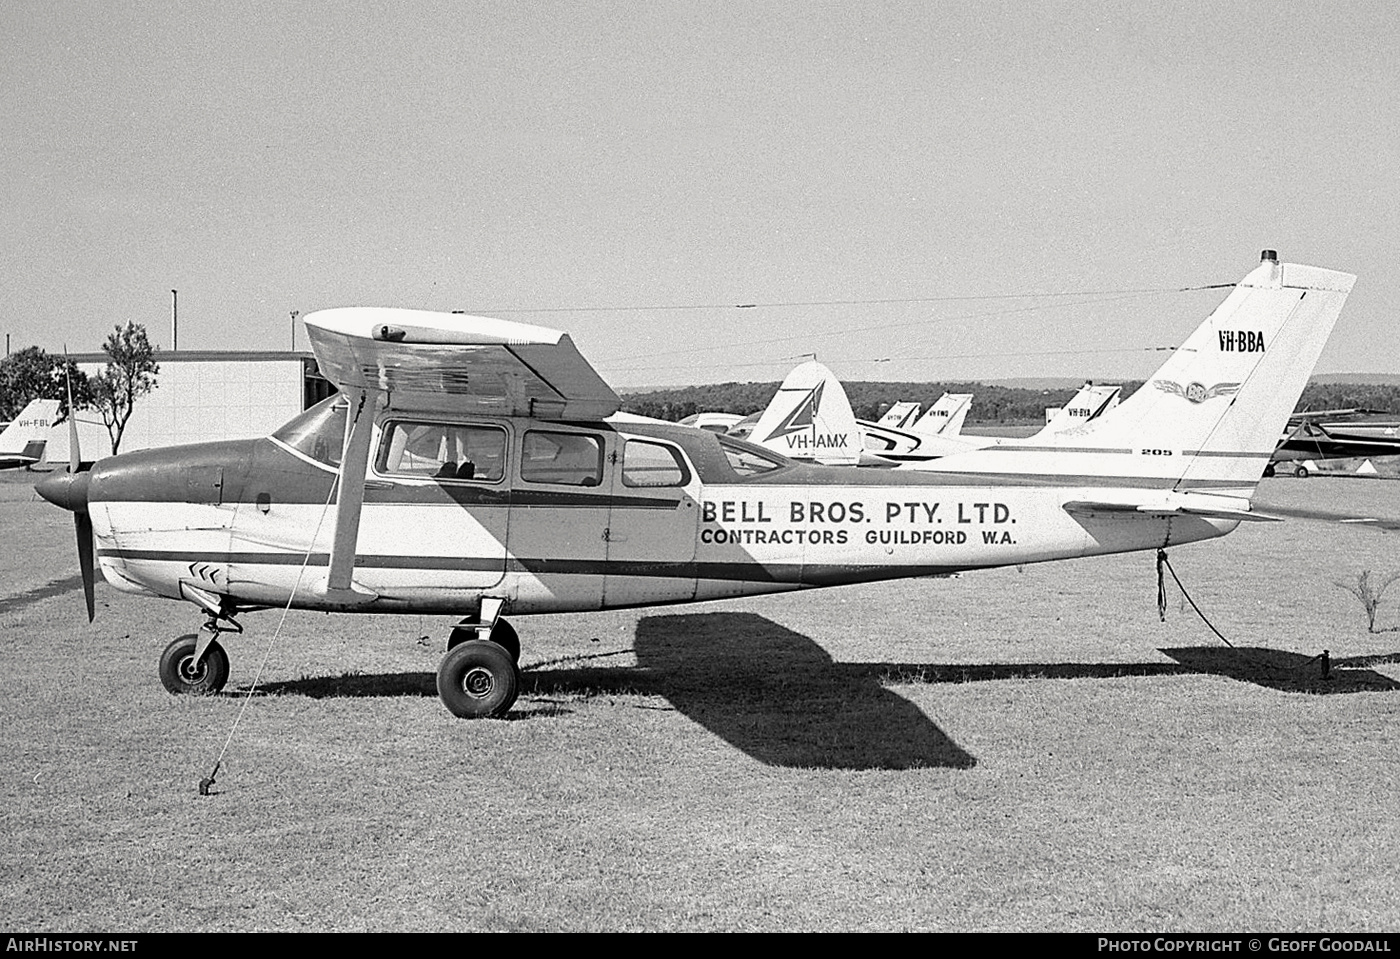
pixel 810 335
pixel 780 304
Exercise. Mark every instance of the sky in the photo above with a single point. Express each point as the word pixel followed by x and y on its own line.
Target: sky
pixel 701 191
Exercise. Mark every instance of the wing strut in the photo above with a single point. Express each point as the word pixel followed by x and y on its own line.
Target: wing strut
pixel 350 497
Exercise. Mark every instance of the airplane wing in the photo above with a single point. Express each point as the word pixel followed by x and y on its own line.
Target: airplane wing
pixel 1307 415
pixel 459 363
pixel 437 362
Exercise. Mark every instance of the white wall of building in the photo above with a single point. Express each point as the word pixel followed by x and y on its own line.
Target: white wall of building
pixel 198 397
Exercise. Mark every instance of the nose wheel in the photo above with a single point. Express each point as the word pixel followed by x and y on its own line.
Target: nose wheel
pixel 184 673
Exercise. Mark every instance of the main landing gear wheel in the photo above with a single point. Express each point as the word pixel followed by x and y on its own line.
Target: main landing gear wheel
pixel 181 676
pixel 503 635
pixel 478 679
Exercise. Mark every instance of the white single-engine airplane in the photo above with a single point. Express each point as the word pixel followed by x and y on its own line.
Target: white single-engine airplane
pixel 23 440
pixel 478 467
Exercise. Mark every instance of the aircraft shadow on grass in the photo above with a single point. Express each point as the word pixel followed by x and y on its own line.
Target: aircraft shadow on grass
pixel 49 590
pixel 770 692
pixel 778 696
pixel 1289 672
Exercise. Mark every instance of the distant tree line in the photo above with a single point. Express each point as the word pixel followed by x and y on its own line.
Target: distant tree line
pixel 1001 405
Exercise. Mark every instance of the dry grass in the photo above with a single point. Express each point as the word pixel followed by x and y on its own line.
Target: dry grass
pixel 1015 749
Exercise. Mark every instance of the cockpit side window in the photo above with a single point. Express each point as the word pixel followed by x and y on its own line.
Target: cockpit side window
pixel 452 451
pixel 319 432
pixel 568 459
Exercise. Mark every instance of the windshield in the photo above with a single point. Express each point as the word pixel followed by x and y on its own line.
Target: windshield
pixel 319 432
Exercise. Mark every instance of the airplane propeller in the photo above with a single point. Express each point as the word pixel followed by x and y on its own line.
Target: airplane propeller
pixel 70 490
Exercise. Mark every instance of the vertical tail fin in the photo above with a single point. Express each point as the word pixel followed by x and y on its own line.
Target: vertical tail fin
pixel 899 416
pixel 1209 419
pixel 810 419
pixel 1089 403
pixel 27 434
pixel 945 417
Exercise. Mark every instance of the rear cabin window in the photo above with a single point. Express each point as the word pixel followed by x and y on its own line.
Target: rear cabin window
pixel 747 461
pixel 444 451
pixel 651 465
pixel 318 432
pixel 565 459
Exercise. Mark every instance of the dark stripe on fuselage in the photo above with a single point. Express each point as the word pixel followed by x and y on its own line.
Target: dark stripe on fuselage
pixel 815 574
pixel 1228 454
pixel 1018 448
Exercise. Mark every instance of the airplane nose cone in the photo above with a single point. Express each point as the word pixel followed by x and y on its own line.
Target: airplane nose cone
pixel 69 490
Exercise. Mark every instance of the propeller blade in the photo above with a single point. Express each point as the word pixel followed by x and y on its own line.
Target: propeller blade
pixel 70 490
pixel 83 524
pixel 74 460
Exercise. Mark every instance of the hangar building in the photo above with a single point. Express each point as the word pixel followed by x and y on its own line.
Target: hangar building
pixel 203 395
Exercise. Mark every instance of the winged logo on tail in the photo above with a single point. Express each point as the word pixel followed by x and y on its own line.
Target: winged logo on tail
pixel 1196 392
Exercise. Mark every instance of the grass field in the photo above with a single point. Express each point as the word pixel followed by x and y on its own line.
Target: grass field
pixel 1019 749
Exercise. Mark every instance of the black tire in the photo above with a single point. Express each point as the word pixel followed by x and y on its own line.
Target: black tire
pixel 1269 470
pixel 478 680
pixel 503 635
pixel 1301 472
pixel 178 676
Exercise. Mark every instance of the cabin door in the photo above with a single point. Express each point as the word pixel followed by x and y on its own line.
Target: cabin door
pixel 652 524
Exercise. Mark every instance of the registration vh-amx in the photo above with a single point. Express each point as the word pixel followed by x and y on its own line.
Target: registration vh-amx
pixel 477 467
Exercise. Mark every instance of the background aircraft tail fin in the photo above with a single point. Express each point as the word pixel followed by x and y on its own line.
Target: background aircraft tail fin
pixel 945 417
pixel 810 419
pixel 1089 403
pixel 29 428
pixel 899 416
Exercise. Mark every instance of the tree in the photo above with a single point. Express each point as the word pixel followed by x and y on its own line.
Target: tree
pixel 32 374
pixel 1369 593
pixel 130 374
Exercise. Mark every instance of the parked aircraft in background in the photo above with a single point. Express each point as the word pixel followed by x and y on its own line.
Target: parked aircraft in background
pixel 809 419
pixel 23 440
pixel 479 467
pixel 945 417
pixel 899 415
pixel 714 422
pixel 1333 434
pixel 937 433
pixel 1089 403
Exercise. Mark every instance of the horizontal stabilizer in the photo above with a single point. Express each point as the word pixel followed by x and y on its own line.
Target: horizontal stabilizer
pixel 1144 509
